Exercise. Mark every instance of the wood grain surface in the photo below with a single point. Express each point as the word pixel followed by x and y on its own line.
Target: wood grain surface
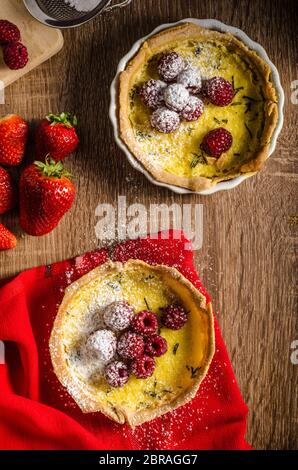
pixel 250 233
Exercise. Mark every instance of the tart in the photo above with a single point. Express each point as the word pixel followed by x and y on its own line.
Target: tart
pixel 151 352
pixel 168 135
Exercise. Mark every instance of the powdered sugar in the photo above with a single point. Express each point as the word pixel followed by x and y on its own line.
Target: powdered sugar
pixel 100 345
pixel 82 5
pixel 130 345
pixel 170 65
pixel 117 374
pixel 193 110
pixel 190 78
pixel 152 93
pixel 164 120
pixel 118 315
pixel 176 97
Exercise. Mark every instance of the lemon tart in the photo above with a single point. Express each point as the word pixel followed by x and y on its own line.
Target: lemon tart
pixel 132 341
pixel 196 107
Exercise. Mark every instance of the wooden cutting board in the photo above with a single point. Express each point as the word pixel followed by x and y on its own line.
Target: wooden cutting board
pixel 42 42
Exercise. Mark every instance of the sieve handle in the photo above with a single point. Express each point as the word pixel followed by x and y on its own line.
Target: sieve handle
pixel 110 7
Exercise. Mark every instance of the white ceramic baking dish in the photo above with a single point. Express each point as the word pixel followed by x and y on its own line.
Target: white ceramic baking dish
pixel 210 24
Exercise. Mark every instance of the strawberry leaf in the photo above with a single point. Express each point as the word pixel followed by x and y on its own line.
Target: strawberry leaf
pixel 51 169
pixel 67 119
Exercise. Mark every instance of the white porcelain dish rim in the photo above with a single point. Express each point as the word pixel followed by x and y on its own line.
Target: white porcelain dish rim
pixel 210 24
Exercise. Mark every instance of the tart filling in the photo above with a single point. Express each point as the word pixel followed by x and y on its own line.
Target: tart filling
pixel 172 153
pixel 147 363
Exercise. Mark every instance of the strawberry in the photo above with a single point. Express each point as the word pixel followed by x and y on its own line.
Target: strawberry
pixel 13 138
pixel 7 239
pixel 7 192
pixel 46 194
pixel 56 136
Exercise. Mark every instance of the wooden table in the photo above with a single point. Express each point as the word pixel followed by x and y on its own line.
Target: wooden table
pixel 247 259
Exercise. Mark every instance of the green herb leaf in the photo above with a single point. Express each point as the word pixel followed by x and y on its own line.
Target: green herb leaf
pixel 236 90
pixel 141 136
pixel 198 158
pixel 194 372
pixel 175 348
pixel 250 98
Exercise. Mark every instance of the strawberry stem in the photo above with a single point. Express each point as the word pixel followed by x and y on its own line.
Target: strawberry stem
pixel 51 169
pixel 67 119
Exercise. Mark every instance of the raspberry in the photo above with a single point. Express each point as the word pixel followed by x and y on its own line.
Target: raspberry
pixel 9 32
pixel 174 317
pixel 170 65
pixel 176 97
pixel 156 345
pixel 15 55
pixel 143 367
pixel 164 120
pixel 100 345
pixel 152 93
pixel 130 345
pixel 217 142
pixel 144 323
pixel 118 315
pixel 190 78
pixel 193 110
pixel 219 91
pixel 117 374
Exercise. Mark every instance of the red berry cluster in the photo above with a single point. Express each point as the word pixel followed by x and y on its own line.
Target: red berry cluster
pixel 179 96
pixel 15 54
pixel 172 98
pixel 140 344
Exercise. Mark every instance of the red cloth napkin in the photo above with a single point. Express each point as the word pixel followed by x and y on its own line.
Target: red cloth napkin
pixel 37 413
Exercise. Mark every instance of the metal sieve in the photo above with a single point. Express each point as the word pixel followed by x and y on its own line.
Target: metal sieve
pixel 59 14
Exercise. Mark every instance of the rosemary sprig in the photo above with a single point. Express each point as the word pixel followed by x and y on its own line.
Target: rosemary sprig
pixel 134 91
pixel 248 130
pixel 248 107
pixel 175 348
pixel 236 90
pixel 198 158
pixel 146 303
pixel 141 136
pixel 193 371
pixel 250 98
